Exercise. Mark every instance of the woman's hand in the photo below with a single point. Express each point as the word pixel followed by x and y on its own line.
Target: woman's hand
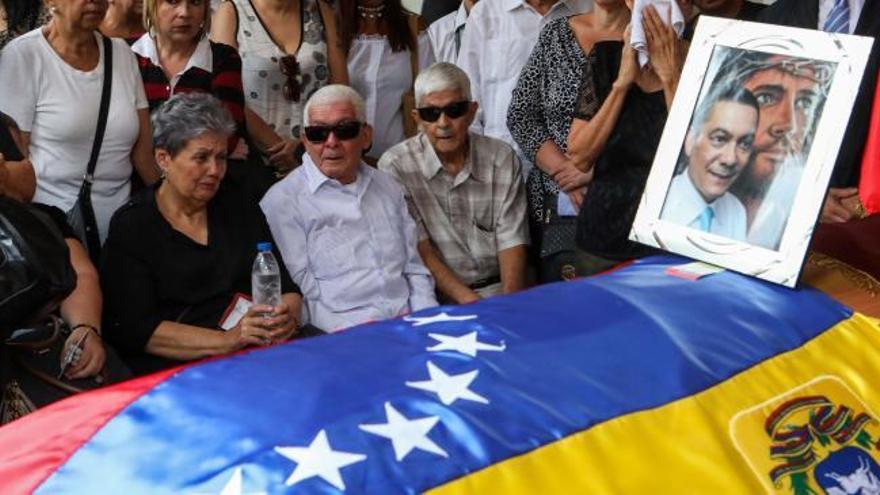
pixel 282 155
pixel 91 360
pixel 629 63
pixel 283 323
pixel 666 51
pixel 254 328
pixel 577 197
pixel 570 177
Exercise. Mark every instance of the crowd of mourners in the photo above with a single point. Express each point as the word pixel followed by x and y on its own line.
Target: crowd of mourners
pixel 394 165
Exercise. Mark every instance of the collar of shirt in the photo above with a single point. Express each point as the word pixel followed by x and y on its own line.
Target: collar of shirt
pixel 461 17
pixel 691 202
pixel 431 164
pixel 855 13
pixel 315 178
pixel 201 57
pixel 571 5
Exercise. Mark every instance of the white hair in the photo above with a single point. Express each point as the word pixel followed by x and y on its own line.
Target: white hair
pixel 334 93
pixel 442 76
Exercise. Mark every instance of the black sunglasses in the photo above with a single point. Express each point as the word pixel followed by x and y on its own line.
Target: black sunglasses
pixel 343 131
pixel 290 70
pixel 453 111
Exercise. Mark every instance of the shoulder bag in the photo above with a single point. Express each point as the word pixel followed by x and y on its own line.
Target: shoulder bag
pixel 81 216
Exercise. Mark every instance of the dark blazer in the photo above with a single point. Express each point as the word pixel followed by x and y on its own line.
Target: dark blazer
pixel 805 14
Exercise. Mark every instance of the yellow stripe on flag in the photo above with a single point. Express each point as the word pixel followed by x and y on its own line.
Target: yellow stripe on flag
pixel 714 442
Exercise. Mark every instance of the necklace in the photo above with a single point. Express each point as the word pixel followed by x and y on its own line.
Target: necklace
pixel 371 12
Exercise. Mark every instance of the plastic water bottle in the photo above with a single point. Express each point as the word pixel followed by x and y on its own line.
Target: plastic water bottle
pixel 266 277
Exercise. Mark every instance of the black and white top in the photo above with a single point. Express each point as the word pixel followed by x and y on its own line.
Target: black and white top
pixel 544 101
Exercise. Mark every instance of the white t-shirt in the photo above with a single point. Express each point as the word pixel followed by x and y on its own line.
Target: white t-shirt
pixel 381 77
pixel 58 105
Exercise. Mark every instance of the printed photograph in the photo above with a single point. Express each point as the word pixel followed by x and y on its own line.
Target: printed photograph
pixel 744 153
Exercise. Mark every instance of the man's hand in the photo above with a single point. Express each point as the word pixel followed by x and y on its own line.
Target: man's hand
pixel 840 204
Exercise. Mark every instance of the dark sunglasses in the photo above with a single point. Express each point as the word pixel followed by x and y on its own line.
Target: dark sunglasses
pixel 453 111
pixel 290 69
pixel 343 131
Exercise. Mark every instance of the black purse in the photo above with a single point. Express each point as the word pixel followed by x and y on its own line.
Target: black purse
pixel 81 216
pixel 35 269
pixel 557 253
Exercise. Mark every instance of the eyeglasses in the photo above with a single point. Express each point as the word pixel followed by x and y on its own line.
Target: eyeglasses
pixel 343 131
pixel 290 69
pixel 453 111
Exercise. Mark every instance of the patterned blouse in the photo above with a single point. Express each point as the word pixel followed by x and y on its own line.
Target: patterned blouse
pixel 544 102
pixel 261 69
pixel 223 81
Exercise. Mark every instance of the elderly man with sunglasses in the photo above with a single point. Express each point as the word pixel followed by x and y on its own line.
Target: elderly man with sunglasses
pixel 464 190
pixel 342 226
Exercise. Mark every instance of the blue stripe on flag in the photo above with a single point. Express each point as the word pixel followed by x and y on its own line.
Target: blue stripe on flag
pixel 563 357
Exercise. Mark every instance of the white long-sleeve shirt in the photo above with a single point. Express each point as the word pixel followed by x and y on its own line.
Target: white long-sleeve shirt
pixel 499 38
pixel 350 248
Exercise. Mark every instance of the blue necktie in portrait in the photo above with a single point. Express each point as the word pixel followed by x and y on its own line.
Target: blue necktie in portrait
pixel 838 18
pixel 706 219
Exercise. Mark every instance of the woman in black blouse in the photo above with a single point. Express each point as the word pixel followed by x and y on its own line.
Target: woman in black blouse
pixel 619 142
pixel 177 256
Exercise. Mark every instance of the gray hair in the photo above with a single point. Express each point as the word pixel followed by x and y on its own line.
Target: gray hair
pixel 186 116
pixel 335 93
pixel 442 76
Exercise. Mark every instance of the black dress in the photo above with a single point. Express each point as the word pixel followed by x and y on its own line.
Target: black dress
pixel 621 171
pixel 152 273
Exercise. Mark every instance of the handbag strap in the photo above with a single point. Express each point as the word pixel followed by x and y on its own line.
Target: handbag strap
pixel 103 110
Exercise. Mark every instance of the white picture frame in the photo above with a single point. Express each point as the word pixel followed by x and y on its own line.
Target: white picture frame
pixel 724 55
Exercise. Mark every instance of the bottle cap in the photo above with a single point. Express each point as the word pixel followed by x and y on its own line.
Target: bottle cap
pixel 262 247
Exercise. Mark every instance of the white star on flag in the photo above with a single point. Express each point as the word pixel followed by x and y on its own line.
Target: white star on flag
pixel 234 485
pixel 438 318
pixel 449 388
pixel 406 434
pixel 466 344
pixel 319 459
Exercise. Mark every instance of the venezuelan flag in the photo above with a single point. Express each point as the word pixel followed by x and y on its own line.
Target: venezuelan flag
pixel 630 382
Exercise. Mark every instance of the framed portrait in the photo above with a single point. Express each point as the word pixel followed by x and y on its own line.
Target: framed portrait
pixel 749 146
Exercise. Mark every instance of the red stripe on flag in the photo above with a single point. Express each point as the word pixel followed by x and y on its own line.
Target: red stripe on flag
pixel 869 183
pixel 65 426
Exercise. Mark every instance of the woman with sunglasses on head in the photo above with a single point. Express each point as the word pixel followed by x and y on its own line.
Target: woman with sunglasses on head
pixel 386 47
pixel 289 49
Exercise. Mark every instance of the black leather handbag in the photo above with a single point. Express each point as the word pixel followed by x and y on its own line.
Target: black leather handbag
pixel 35 269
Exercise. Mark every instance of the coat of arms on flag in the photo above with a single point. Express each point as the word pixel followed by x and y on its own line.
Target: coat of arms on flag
pixel 817 438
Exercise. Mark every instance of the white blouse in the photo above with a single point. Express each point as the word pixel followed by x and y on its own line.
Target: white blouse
pixel 381 77
pixel 58 105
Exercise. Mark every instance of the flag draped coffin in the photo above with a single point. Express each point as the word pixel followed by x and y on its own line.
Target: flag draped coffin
pixel 632 381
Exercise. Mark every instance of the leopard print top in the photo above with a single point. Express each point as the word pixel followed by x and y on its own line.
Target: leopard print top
pixel 546 99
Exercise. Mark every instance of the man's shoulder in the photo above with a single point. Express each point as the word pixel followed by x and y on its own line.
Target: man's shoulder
pixel 400 155
pixel 442 26
pixel 383 180
pixel 286 189
pixel 498 152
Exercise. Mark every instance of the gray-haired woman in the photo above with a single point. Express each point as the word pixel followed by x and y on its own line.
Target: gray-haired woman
pixel 178 256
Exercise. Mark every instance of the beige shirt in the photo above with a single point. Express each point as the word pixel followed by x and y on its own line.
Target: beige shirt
pixel 469 217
